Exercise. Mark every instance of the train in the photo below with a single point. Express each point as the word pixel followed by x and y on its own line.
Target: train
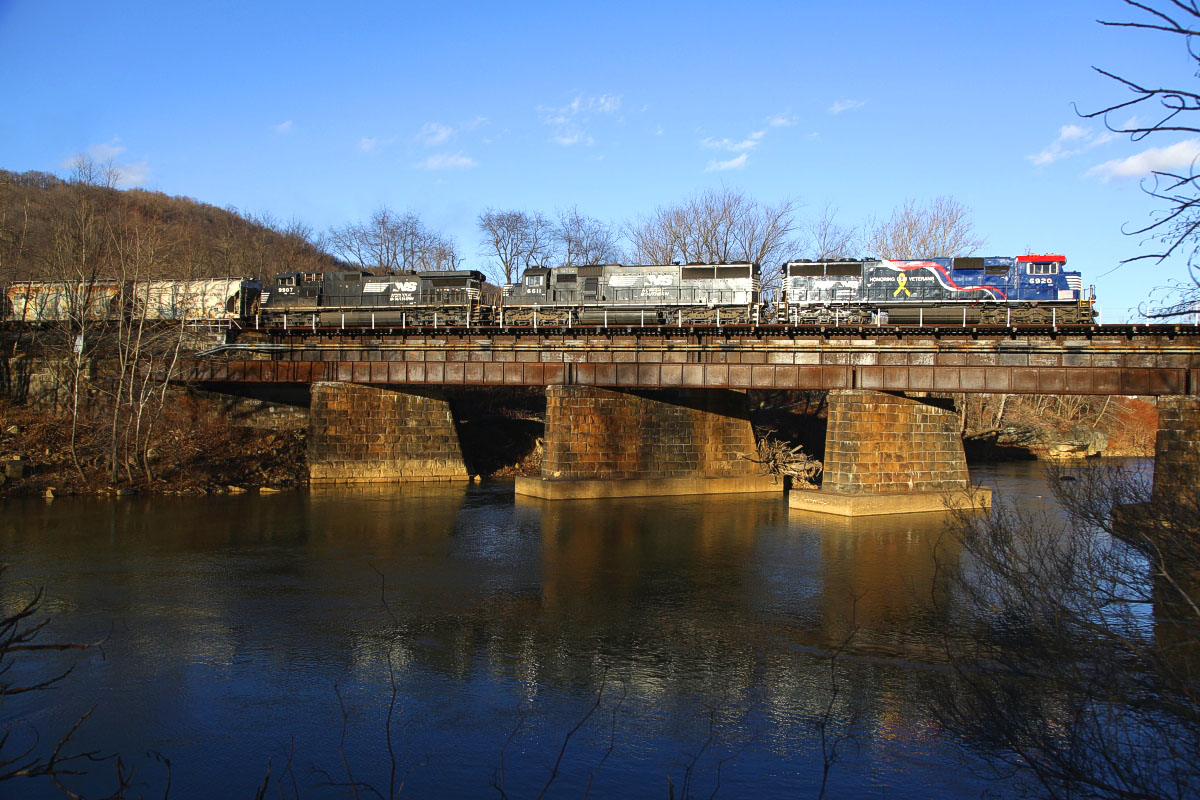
pixel 1022 290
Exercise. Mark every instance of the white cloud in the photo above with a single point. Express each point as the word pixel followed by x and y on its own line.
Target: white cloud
pixel 1178 156
pixel 748 143
pixel 443 161
pixel 1072 140
pixel 104 156
pixel 607 104
pixel 572 136
pixel 569 121
pixel 372 144
pixel 733 163
pixel 284 127
pixel 846 105
pixel 434 133
pixel 136 174
pixel 782 121
pixel 105 152
pixel 1069 133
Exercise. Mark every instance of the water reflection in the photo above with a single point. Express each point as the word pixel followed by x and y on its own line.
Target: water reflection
pixel 707 622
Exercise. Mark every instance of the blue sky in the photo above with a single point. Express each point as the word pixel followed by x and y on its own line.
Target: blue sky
pixel 324 111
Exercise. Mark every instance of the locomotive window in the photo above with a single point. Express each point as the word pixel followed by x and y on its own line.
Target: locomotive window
pixel 562 278
pixel 533 280
pixel 807 270
pixel 697 273
pixel 290 280
pixel 312 276
pixel 843 270
pixel 733 272
pixel 1043 269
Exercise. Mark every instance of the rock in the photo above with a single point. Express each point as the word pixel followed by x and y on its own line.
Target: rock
pixel 235 489
pixel 13 429
pixel 125 491
pixel 269 490
pixel 14 469
pixel 49 495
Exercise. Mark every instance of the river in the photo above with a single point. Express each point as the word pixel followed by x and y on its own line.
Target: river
pixel 688 638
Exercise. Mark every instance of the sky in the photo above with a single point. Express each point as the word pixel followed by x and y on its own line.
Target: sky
pixel 322 112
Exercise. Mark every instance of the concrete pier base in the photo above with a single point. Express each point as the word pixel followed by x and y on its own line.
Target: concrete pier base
pixel 862 505
pixel 889 454
pixel 644 487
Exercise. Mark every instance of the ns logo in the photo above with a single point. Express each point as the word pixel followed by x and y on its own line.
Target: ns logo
pixel 659 279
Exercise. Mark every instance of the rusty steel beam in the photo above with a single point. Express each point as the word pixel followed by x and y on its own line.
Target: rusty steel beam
pixel 1144 364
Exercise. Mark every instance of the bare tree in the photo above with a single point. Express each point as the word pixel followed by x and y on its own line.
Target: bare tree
pixel 586 240
pixel 1075 641
pixel 824 238
pixel 942 228
pixel 716 225
pixel 396 242
pixel 1175 226
pixel 515 240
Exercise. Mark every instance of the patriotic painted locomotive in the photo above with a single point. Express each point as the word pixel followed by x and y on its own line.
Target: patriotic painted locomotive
pixel 1031 289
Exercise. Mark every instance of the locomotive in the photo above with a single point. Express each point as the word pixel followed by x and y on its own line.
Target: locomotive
pixel 357 298
pixel 1030 289
pixel 643 294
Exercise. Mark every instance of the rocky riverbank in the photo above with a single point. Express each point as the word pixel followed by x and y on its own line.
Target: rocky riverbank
pixel 196 452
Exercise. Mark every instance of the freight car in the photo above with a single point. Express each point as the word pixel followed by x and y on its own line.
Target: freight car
pixel 357 298
pixel 645 293
pixel 1031 289
pixel 212 299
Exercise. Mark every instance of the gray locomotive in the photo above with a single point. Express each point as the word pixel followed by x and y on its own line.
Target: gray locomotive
pixel 360 299
pixel 629 294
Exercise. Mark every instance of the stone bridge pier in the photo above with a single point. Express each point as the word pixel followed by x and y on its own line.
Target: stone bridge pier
pixel 606 443
pixel 371 434
pixel 889 454
pixel 1177 451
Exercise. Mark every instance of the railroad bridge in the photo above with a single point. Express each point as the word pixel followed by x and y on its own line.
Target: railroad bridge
pixel 662 410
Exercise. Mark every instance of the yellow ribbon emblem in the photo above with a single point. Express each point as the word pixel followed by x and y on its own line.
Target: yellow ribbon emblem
pixel 902 286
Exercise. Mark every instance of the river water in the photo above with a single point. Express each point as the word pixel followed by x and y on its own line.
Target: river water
pixel 688 638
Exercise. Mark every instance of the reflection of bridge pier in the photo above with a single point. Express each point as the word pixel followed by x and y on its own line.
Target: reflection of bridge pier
pixel 887 454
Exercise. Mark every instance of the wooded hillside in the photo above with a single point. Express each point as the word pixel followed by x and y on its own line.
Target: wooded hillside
pixel 51 228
